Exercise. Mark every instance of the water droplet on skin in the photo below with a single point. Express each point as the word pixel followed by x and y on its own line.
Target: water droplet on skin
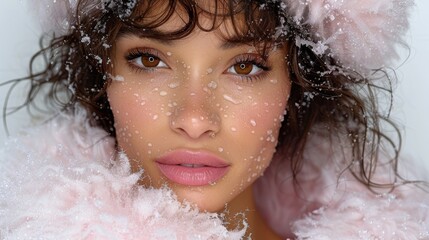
pixel 209 70
pixel 173 85
pixel 155 90
pixel 168 114
pixel 155 117
pixel 169 54
pixel 142 103
pixel 118 78
pixel 212 85
pixel 220 149
pixel 230 99
pixel 234 129
pixel 192 94
pixel 274 81
pixel 149 145
pixel 253 122
pixel 163 93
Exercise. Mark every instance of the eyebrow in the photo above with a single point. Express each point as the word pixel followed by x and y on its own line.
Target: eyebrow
pixel 141 33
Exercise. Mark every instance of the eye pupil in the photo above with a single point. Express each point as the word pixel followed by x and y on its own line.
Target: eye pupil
pixel 150 61
pixel 243 68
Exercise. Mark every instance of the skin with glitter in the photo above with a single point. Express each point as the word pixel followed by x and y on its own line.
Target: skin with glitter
pixel 199 96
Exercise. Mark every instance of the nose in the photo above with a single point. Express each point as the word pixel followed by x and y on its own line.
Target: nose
pixel 196 117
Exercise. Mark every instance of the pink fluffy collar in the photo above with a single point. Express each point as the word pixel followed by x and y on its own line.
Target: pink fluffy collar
pixel 60 181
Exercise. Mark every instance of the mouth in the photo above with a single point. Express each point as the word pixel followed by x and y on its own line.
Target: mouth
pixel 192 168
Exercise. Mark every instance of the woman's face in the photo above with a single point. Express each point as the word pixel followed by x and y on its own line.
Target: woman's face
pixel 199 114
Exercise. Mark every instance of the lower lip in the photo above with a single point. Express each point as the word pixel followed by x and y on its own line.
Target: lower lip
pixel 198 176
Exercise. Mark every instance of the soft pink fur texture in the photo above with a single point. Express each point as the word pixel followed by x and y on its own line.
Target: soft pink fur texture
pixel 64 180
pixel 329 203
pixel 361 34
pixel 61 181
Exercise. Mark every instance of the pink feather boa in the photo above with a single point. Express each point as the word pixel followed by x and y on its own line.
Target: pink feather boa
pixel 64 180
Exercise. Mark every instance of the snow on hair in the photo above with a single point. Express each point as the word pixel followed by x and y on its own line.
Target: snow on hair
pixel 361 35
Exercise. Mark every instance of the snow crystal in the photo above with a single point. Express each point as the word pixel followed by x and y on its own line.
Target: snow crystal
pixel 253 122
pixel 173 85
pixel 318 47
pixel 117 78
pixel 212 85
pixel 86 40
pixel 230 99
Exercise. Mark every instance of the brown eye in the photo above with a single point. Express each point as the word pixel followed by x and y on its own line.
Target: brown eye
pixel 243 68
pixel 150 61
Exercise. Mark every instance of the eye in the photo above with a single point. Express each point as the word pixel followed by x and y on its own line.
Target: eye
pixel 248 66
pixel 149 61
pixel 145 59
pixel 245 68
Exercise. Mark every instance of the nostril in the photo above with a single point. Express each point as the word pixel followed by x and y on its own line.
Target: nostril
pixel 195 123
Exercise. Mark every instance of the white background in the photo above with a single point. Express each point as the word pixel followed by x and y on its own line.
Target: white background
pixel 20 34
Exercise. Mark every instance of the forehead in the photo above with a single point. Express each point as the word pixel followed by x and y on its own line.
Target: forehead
pixel 206 15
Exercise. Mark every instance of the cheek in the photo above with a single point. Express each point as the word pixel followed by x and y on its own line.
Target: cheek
pixel 135 113
pixel 256 125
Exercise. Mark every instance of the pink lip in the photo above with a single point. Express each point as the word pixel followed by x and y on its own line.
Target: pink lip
pixel 192 168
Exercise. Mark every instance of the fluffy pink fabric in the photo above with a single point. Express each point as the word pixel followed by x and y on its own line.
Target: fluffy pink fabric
pixel 65 180
pixel 329 203
pixel 361 34
pixel 61 181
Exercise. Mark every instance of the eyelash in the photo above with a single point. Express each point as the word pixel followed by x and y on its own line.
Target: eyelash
pixel 255 60
pixel 245 58
pixel 137 53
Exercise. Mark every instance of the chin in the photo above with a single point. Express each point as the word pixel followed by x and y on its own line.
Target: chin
pixel 202 197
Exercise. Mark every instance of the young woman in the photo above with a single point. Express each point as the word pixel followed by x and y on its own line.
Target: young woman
pixel 213 120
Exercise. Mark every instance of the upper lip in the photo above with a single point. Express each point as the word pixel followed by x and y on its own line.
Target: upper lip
pixel 191 158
